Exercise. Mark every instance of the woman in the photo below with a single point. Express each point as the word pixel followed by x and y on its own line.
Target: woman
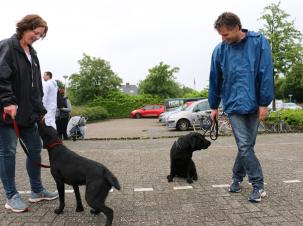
pixel 63 113
pixel 21 99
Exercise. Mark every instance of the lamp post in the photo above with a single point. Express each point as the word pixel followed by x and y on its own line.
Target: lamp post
pixel 65 77
pixel 273 65
pixel 290 95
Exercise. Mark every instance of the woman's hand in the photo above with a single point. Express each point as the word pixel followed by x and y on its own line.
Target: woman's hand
pixel 11 110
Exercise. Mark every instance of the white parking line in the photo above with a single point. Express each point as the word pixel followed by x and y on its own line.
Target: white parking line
pixel 175 188
pixel 220 185
pixel 183 187
pixel 292 181
pixel 24 192
pixel 28 192
pixel 143 189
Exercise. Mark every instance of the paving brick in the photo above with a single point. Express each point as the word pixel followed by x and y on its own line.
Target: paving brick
pixel 237 219
pixel 145 163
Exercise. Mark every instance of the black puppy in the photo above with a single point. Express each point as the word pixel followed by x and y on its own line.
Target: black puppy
pixel 67 167
pixel 181 163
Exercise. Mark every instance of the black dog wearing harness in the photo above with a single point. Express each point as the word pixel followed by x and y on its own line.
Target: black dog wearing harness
pixel 181 163
pixel 67 167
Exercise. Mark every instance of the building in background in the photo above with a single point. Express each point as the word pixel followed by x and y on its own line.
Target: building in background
pixel 130 89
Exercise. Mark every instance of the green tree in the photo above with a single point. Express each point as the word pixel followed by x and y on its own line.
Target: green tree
pixel 294 83
pixel 161 82
pixel 280 88
pixel 60 84
pixel 285 40
pixel 95 79
pixel 194 93
pixel 187 90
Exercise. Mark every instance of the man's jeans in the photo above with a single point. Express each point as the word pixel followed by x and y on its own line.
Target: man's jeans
pixel 245 128
pixel 8 144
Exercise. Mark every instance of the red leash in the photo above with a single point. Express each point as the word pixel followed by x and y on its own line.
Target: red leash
pixel 17 130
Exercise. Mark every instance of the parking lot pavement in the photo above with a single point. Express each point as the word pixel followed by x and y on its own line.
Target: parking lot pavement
pixel 146 198
pixel 129 129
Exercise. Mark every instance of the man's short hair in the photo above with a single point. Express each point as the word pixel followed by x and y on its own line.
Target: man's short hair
pixel 228 20
pixel 49 74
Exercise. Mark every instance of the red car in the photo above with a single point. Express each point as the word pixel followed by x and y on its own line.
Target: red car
pixel 152 110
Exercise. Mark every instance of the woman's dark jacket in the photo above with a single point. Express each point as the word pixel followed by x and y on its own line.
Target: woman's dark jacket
pixel 20 83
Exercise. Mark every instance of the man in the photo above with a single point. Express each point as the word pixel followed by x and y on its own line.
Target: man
pixel 50 90
pixel 21 100
pixel 241 74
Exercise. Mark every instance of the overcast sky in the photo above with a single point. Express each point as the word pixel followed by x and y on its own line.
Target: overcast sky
pixel 136 35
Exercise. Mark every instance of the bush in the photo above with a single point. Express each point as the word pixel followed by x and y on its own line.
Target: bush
pixel 120 105
pixel 294 118
pixel 92 113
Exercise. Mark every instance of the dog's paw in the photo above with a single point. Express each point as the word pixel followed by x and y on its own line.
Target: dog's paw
pixel 58 211
pixel 190 181
pixel 79 209
pixel 195 177
pixel 169 178
pixel 95 212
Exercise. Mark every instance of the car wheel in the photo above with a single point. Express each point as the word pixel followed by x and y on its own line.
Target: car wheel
pixel 138 115
pixel 182 125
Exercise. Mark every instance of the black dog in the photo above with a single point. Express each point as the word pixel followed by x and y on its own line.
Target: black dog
pixel 67 167
pixel 181 163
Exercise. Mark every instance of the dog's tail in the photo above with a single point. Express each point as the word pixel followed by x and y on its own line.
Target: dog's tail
pixel 112 180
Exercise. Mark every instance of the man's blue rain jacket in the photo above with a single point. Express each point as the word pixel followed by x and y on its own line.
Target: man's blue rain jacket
pixel 242 75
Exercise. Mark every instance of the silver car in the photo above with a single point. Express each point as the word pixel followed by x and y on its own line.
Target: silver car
pixel 188 117
pixel 291 106
pixel 165 115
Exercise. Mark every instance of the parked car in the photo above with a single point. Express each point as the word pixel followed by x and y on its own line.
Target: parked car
pixel 152 110
pixel 279 105
pixel 291 106
pixel 185 119
pixel 164 116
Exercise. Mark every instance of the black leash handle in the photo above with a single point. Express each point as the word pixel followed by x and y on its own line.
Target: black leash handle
pixel 213 134
pixel 210 125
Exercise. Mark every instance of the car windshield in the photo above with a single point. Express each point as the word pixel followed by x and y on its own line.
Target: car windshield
pixel 185 107
pixel 177 108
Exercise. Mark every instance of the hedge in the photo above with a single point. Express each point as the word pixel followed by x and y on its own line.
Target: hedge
pixel 91 113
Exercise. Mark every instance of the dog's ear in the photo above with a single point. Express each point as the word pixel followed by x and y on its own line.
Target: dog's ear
pixel 194 140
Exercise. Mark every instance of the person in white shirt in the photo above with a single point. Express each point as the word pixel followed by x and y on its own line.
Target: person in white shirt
pixel 50 90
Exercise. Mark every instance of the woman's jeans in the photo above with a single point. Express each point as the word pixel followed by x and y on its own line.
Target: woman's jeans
pixel 8 144
pixel 245 128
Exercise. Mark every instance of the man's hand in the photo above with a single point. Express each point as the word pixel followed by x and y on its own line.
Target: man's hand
pixel 214 114
pixel 263 112
pixel 11 110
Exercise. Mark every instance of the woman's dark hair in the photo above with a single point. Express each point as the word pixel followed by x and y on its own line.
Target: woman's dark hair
pixel 228 20
pixel 30 22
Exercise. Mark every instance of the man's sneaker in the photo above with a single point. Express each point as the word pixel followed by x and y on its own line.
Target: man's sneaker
pixel 256 195
pixel 43 195
pixel 235 187
pixel 16 204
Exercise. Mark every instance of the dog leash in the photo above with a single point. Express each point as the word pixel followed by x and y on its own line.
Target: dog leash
pixel 17 130
pixel 214 129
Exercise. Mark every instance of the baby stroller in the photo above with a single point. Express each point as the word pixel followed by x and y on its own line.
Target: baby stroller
pixel 76 127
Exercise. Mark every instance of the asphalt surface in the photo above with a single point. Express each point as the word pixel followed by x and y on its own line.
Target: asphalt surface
pixel 137 152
